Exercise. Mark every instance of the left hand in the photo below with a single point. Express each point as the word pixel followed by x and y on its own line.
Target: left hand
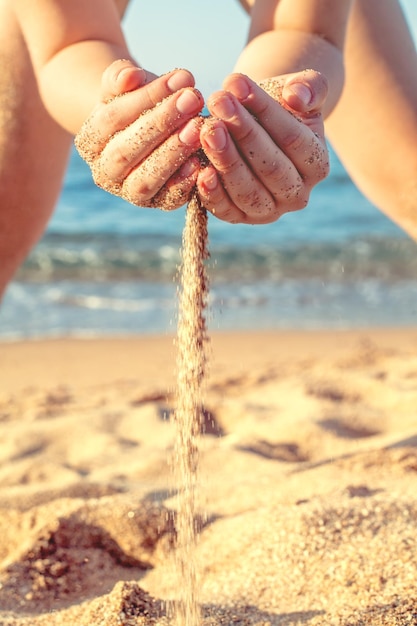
pixel 141 140
pixel 265 145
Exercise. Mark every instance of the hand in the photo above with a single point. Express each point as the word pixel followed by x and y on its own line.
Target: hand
pixel 266 147
pixel 140 139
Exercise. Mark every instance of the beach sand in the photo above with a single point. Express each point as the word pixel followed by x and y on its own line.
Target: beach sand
pixel 308 480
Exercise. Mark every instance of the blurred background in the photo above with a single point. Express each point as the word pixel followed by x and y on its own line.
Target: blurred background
pixel 107 268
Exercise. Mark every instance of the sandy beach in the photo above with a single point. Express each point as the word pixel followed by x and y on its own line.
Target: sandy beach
pixel 308 480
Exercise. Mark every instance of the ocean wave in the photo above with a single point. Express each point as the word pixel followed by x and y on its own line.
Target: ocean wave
pixel 93 308
pixel 105 258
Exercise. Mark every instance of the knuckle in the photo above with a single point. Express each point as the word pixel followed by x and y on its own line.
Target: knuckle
pixel 226 168
pixel 142 185
pixel 121 158
pixel 318 163
pixel 140 191
pixel 294 140
pixel 247 135
pixel 293 194
pixel 162 122
pixel 264 108
pixel 108 116
pixel 251 200
pixel 283 181
pixel 299 202
pixel 103 182
pixel 275 171
pixel 158 120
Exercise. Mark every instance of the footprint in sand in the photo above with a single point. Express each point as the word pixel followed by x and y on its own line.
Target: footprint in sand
pixel 287 452
pixel 347 429
pixel 66 548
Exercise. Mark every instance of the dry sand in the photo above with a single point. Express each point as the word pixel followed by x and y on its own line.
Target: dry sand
pixel 308 474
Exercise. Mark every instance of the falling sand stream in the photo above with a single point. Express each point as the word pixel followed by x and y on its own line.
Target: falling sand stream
pixel 191 362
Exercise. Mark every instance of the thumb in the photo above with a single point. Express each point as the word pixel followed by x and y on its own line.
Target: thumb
pixel 305 92
pixel 120 77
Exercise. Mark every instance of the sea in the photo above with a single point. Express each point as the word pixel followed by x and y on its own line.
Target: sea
pixel 106 268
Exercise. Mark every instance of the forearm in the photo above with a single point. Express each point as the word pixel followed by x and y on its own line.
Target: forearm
pixel 374 126
pixel 275 53
pixel 288 36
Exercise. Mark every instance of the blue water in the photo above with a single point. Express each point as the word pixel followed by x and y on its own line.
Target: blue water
pixel 105 267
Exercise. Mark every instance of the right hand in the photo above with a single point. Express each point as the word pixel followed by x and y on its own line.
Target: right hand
pixel 140 139
pixel 265 145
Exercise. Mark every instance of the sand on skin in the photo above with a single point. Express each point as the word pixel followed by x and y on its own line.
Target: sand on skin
pixel 308 474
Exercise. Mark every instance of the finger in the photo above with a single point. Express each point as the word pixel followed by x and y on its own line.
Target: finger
pixel 123 76
pixel 148 178
pixel 306 91
pixel 130 147
pixel 262 155
pixel 242 186
pixel 108 119
pixel 179 187
pixel 302 92
pixel 300 143
pixel 215 199
pixel 123 111
pixel 305 94
pixel 120 77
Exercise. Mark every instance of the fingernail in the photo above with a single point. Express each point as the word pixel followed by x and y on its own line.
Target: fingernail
pixel 240 88
pixel 302 92
pixel 216 138
pixel 123 72
pixel 223 107
pixel 131 78
pixel 188 103
pixel 190 134
pixel 179 80
pixel 122 65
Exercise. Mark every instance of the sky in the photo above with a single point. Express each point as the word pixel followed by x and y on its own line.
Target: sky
pixel 164 34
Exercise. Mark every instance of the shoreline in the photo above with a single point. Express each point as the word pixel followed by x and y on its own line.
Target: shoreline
pixel 152 357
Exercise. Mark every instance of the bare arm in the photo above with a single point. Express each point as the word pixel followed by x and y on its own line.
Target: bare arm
pixel 261 169
pixel 288 36
pixel 374 126
pixel 71 44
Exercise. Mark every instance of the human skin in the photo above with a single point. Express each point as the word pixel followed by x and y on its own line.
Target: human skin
pixel 130 165
pixel 284 37
pixel 379 94
pixel 284 156
pixel 30 178
pixel 34 150
pixel 374 126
